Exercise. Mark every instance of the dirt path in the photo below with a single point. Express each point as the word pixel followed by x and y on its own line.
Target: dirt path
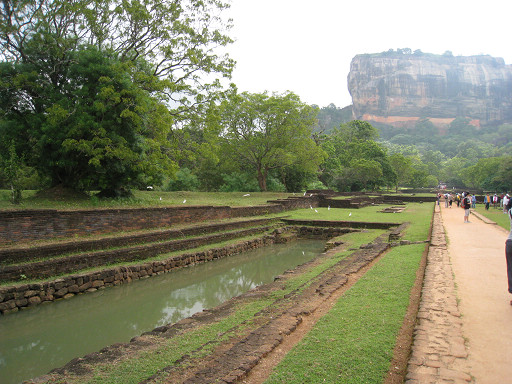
pixel 477 253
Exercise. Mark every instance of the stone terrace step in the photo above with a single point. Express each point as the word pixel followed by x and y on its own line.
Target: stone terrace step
pixel 80 261
pixel 338 224
pixel 29 252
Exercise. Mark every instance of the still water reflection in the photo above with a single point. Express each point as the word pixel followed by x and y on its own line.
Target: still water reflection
pixel 33 342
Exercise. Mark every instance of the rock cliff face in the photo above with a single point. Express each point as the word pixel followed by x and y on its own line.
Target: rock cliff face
pixel 399 89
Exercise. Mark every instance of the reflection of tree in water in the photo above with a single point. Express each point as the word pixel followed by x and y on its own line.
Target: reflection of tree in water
pixel 213 283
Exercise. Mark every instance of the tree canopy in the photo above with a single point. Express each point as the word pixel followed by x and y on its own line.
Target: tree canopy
pixel 89 89
pixel 269 132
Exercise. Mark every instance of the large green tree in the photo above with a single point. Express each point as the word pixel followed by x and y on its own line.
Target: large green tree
pixel 89 89
pixel 263 132
pixel 355 160
pixel 402 166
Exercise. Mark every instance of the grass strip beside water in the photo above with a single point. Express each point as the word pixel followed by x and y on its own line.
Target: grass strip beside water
pixel 150 362
pixel 354 342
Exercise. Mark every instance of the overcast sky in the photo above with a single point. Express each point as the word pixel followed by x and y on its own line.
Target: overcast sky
pixel 305 46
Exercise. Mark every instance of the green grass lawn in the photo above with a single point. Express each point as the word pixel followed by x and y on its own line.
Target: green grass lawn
pixel 495 215
pixel 31 200
pixel 354 342
pixel 141 199
pixel 418 214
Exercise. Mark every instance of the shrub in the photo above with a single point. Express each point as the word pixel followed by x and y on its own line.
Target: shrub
pixel 239 182
pixel 185 181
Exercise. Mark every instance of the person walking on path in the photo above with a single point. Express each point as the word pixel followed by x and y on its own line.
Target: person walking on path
pixel 506 199
pixel 487 201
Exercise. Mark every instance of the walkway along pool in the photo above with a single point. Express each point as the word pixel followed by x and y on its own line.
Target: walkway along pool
pixel 35 341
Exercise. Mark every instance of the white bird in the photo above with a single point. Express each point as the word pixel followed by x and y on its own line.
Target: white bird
pixel 302 252
pixel 304 193
pixel 350 214
pixel 310 207
pixel 160 199
pixel 184 201
pixel 247 194
pixel 316 211
pixel 329 208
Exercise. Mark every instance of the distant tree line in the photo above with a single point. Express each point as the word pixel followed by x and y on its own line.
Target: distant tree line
pixel 463 156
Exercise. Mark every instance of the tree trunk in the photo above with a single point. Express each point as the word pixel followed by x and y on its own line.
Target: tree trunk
pixel 262 179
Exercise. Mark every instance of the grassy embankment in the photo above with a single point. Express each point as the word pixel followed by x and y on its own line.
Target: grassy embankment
pixel 354 342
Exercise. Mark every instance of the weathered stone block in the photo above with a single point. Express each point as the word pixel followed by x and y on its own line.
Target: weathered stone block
pixel 59 284
pixel 74 288
pixel 109 279
pixel 21 302
pixel 30 293
pixel 61 292
pixel 34 300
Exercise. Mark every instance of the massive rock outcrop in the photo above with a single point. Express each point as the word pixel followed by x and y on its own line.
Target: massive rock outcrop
pixel 399 89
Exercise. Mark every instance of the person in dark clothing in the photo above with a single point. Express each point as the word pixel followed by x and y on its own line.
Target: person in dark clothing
pixel 508 249
pixel 466 204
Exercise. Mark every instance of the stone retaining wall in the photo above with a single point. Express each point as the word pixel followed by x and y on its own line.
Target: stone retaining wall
pixel 408 199
pixel 14 298
pixel 43 224
pixel 363 200
pixel 306 232
pixel 338 203
pixel 341 224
